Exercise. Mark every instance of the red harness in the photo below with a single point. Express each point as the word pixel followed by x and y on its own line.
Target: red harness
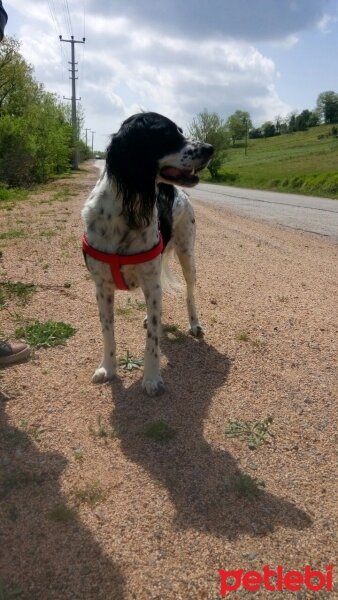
pixel 116 261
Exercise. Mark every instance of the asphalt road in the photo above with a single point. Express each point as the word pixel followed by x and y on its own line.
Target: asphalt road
pixel 305 213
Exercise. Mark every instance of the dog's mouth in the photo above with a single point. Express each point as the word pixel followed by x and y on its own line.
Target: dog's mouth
pixel 185 177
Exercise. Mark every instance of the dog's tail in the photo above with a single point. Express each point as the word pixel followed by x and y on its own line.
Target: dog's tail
pixel 170 282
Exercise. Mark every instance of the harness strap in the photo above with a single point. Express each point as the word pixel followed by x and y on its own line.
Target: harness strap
pixel 116 261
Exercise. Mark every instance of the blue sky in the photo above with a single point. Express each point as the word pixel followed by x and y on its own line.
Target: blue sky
pixel 177 57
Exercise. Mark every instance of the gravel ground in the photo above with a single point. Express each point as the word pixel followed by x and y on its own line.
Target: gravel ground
pixel 90 507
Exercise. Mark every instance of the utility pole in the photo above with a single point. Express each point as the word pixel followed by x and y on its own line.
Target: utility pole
pixel 73 78
pixel 93 141
pixel 246 136
pixel 87 129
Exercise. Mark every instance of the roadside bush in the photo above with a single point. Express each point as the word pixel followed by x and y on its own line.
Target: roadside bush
pixel 17 150
pixel 35 134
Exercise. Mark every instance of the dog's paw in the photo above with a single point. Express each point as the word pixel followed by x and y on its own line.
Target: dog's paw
pixel 153 387
pixel 197 331
pixel 102 375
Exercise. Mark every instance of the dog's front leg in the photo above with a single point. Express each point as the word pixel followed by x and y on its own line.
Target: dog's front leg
pixel 152 380
pixel 105 302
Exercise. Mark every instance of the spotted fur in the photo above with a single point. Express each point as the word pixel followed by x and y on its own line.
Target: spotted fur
pixel 121 216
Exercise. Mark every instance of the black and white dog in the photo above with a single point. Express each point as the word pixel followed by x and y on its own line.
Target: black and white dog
pixel 133 207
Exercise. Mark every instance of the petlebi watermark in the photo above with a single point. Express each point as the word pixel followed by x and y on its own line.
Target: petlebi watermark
pixel 276 579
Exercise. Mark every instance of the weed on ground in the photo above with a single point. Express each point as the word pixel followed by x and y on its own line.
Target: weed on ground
pixel 102 430
pixel 254 433
pixel 45 335
pixel 128 363
pixel 92 494
pixel 247 487
pixel 12 234
pixel 22 292
pixel 159 431
pixel 60 513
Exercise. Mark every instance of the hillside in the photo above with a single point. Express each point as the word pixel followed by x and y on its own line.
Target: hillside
pixel 305 162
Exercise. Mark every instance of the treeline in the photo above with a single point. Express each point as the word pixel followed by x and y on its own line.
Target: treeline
pixel 326 111
pixel 236 129
pixel 35 131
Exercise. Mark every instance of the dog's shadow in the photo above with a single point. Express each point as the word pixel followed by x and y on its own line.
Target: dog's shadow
pixel 204 483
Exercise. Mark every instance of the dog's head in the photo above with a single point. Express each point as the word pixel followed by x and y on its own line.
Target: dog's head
pixel 149 149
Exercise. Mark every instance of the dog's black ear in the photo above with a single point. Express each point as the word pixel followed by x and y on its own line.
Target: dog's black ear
pixel 131 162
pixel 165 200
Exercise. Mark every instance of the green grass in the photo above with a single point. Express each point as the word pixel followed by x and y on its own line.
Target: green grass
pixel 247 487
pixel 9 195
pixel 243 336
pixel 124 311
pixel 254 433
pixel 7 593
pixel 128 309
pixel 21 291
pixel 12 234
pixel 102 430
pixel 140 305
pixel 92 494
pixel 45 335
pixel 171 328
pixel 173 333
pixel 159 431
pixel 303 162
pixel 60 513
pixel 62 195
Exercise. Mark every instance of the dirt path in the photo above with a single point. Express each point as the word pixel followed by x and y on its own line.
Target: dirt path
pixel 90 507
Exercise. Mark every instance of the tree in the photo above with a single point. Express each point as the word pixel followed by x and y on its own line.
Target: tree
pixel 255 133
pixel 327 106
pixel 292 122
pixel 280 124
pixel 239 125
pixel 211 129
pixel 35 135
pixel 268 129
pixel 17 86
pixel 302 120
pixel 314 119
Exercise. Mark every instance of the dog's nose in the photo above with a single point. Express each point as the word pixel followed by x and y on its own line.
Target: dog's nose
pixel 208 149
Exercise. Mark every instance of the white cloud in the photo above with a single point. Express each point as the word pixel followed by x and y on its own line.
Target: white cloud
pixel 130 63
pixel 326 22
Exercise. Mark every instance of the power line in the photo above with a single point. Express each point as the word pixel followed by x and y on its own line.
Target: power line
pixel 82 64
pixel 64 10
pixel 69 19
pixel 84 18
pixel 63 55
pixel 53 15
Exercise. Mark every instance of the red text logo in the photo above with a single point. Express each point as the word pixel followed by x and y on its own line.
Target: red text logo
pixel 276 580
